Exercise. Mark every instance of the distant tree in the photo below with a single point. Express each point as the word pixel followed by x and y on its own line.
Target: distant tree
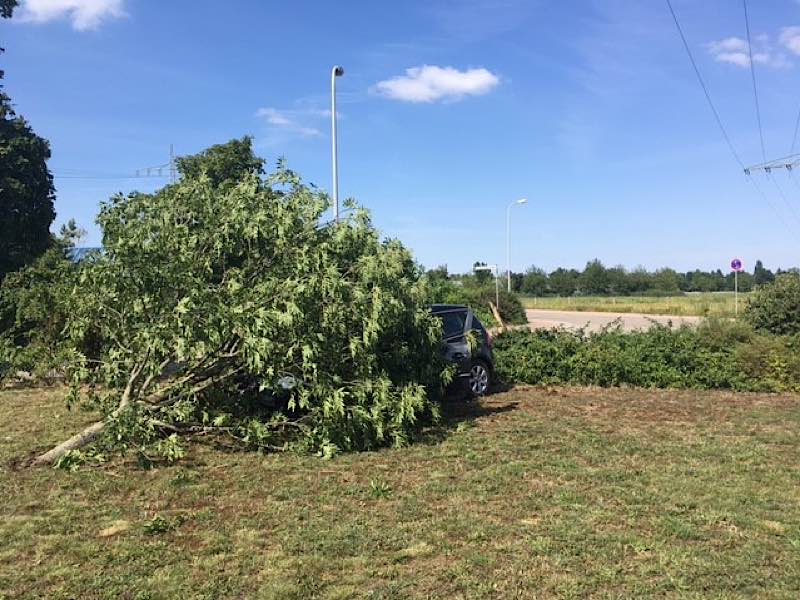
pixel 762 275
pixel 564 282
pixel 639 280
pixel 516 282
pixel 26 191
pixel 666 280
pixel 481 277
pixel 719 278
pixel 618 282
pixel 534 282
pixel 439 286
pixel 438 273
pixel 746 281
pixel 594 279
pixel 703 282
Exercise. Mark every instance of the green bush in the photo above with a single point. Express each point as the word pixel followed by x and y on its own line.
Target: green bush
pixel 771 363
pixel 712 356
pixel 33 311
pixel 477 296
pixel 775 307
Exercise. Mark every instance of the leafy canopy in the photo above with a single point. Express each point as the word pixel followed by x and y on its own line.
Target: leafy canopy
pixel 217 292
pixel 7 8
pixel 26 185
pixel 26 191
pixel 33 308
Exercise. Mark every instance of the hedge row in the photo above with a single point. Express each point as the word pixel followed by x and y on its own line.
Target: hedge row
pixel 718 355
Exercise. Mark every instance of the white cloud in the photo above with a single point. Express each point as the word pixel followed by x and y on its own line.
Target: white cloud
pixel 790 38
pixel 430 83
pixel 84 14
pixel 731 44
pixel 731 50
pixel 735 51
pixel 287 120
pixel 273 116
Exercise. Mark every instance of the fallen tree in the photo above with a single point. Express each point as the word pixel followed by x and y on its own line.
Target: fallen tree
pixel 226 305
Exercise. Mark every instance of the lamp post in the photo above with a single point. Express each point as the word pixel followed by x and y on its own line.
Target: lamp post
pixel 508 237
pixel 491 268
pixel 337 71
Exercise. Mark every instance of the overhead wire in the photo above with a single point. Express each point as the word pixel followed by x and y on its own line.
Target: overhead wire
pixel 768 172
pixel 753 77
pixel 774 209
pixel 703 85
pixel 108 177
pixel 796 129
pixel 788 204
pixel 792 179
pixel 718 119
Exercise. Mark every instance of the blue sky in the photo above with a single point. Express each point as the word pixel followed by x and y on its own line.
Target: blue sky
pixel 449 111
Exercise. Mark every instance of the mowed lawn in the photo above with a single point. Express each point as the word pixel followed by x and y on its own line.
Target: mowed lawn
pixel 701 305
pixel 529 493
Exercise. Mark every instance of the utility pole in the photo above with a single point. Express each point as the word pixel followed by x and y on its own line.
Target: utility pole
pixel 172 172
pixel 158 170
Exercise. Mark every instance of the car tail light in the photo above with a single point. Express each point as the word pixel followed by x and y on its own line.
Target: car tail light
pixel 489 339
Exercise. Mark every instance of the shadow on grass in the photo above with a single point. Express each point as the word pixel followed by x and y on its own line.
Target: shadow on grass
pixel 461 408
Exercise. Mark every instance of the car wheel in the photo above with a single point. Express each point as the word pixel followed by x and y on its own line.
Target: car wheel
pixel 478 378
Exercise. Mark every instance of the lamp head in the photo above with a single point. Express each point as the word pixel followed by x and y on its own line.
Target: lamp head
pixel 522 201
pixel 338 71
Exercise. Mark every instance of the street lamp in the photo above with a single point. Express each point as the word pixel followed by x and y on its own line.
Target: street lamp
pixel 491 268
pixel 337 71
pixel 508 237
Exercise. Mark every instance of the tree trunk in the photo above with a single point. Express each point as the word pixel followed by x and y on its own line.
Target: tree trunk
pixel 498 318
pixel 202 380
pixel 93 431
pixel 87 436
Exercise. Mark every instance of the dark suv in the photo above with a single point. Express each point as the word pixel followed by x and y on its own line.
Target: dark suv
pixel 474 368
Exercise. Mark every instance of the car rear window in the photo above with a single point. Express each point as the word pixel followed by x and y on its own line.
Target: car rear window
pixel 477 325
pixel 452 323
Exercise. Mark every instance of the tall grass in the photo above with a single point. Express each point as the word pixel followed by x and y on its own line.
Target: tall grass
pixel 703 304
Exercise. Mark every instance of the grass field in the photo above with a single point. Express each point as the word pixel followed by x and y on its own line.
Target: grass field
pixel 703 305
pixel 530 493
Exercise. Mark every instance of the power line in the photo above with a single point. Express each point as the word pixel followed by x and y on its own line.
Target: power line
pixel 774 209
pixel 793 180
pixel 789 205
pixel 168 169
pixel 796 128
pixel 108 177
pixel 753 77
pixel 788 163
pixel 703 85
pixel 725 135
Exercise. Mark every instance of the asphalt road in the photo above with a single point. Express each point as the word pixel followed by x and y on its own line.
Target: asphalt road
pixel 544 319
